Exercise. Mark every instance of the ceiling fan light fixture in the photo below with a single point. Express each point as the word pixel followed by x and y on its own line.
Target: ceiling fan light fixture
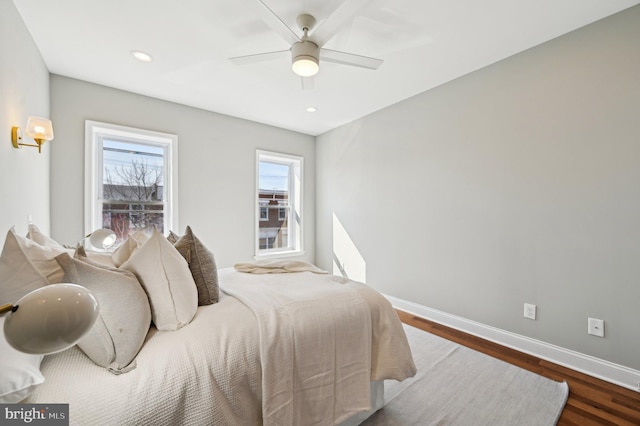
pixel 305 66
pixel 304 56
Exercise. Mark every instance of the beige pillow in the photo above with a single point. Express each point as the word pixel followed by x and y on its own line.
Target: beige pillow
pixel 125 315
pixel 166 278
pixel 43 258
pixel 131 244
pixel 18 275
pixel 201 264
pixel 95 258
pixel 102 258
pixel 42 239
pixel 36 235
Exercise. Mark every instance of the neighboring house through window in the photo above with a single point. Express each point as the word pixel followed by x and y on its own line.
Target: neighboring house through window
pixel 279 204
pixel 130 179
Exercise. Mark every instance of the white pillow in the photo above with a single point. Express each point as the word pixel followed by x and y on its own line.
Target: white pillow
pixel 20 372
pixel 18 275
pixel 166 278
pixel 125 316
pixel 131 244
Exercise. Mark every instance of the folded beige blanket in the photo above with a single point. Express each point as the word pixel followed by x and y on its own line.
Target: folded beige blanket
pixel 277 266
pixel 323 338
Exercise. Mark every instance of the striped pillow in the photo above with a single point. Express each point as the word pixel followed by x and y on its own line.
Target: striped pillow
pixel 201 264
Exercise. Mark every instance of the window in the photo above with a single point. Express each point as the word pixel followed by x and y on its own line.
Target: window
pixel 279 204
pixel 130 179
pixel 264 213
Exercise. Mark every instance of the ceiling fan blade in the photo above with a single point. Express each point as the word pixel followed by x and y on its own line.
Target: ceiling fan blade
pixel 344 58
pixel 259 57
pixel 272 20
pixel 308 83
pixel 327 29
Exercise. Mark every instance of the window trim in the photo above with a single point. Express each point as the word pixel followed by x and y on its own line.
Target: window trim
pixel 295 229
pixel 95 131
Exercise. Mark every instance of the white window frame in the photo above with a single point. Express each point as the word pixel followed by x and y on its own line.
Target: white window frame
pixel 295 218
pixel 95 133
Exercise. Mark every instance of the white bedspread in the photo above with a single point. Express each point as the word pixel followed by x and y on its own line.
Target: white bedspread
pixel 206 373
pixel 314 372
pixel 209 372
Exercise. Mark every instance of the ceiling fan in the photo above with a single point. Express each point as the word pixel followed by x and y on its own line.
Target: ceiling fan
pixel 306 50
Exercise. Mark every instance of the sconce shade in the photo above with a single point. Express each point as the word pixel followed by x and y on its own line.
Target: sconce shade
pixel 39 128
pixel 102 239
pixel 51 319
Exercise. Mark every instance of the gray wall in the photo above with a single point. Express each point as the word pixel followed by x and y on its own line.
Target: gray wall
pixel 517 183
pixel 216 171
pixel 24 91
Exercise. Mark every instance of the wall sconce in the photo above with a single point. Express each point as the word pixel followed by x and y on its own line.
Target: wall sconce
pixel 39 128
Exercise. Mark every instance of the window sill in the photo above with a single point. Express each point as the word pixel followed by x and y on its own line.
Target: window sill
pixel 278 254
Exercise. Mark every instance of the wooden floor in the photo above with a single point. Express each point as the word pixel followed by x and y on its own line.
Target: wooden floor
pixel 591 401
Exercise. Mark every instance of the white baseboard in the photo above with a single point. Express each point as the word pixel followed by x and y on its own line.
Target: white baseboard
pixel 596 367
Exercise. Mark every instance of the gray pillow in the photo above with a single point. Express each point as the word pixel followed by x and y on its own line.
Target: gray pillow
pixel 173 237
pixel 125 315
pixel 201 264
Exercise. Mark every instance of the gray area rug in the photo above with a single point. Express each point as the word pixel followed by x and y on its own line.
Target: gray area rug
pixel 456 385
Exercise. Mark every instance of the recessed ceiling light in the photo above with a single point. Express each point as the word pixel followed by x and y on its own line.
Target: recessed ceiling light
pixel 141 56
pixel 311 109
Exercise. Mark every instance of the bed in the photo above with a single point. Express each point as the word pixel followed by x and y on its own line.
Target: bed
pixel 285 344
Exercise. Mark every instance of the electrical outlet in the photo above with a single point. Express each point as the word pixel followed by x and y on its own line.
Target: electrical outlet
pixel 530 311
pixel 595 327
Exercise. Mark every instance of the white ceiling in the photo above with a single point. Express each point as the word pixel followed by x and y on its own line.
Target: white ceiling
pixel 423 43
